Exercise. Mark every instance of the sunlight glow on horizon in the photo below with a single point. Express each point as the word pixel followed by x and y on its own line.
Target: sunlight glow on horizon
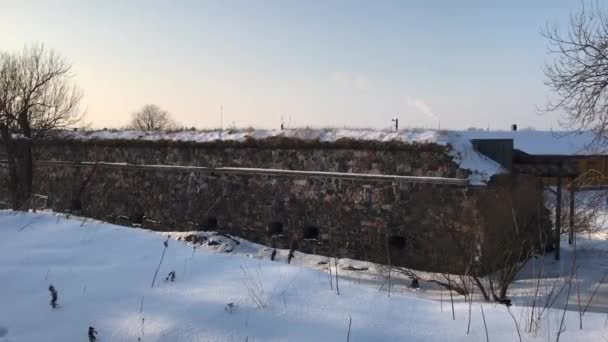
pixel 314 63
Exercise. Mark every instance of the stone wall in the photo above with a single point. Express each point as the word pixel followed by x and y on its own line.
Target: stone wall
pixel 276 153
pixel 328 216
pixel 369 219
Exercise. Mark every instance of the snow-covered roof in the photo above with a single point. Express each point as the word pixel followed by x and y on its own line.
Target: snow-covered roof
pixel 461 150
pixel 542 142
pixel 529 141
pixel 239 135
pixel 460 147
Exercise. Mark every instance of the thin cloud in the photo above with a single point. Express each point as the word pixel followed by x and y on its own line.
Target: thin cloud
pixel 357 82
pixel 421 106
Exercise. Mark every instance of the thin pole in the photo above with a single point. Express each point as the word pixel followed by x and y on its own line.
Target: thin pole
pixel 350 320
pixel 558 211
pixel 571 235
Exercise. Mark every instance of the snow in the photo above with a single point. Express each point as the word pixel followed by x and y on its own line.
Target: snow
pixel 102 272
pixel 307 134
pixel 590 278
pixel 542 142
pixel 461 150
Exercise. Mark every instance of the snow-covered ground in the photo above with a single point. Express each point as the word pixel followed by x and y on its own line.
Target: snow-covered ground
pixel 589 283
pixel 588 254
pixel 103 275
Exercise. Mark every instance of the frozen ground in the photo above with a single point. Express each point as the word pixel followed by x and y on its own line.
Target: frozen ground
pixel 590 281
pixel 591 271
pixel 103 274
pixel 588 255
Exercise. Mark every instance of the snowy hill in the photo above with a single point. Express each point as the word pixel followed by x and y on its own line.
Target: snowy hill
pixel 103 276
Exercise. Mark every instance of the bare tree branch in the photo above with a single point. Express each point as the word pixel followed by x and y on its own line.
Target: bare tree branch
pixel 36 97
pixel 578 75
pixel 152 118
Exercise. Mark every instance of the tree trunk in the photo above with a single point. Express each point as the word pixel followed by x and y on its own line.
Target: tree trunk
pixel 480 287
pixel 27 164
pixel 20 167
pixel 13 180
pixel 28 173
pixel 13 175
pixel 571 216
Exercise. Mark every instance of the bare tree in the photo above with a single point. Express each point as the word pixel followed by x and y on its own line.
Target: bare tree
pixel 578 74
pixel 36 97
pixel 151 118
pixel 8 124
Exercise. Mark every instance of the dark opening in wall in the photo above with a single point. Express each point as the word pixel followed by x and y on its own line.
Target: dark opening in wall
pixel 209 223
pixel 274 228
pixel 76 205
pixel 310 232
pixel 396 242
pixel 138 218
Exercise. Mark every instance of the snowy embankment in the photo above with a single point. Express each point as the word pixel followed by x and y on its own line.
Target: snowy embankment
pixel 588 256
pixel 460 148
pixel 103 275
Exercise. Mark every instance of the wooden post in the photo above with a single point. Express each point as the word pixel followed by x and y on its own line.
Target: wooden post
pixel 558 211
pixel 571 232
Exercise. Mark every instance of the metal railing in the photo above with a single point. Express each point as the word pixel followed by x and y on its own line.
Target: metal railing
pixel 265 171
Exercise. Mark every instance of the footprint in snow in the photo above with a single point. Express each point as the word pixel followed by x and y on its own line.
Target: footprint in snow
pixel 3 333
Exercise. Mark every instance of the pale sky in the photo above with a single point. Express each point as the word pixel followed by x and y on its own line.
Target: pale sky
pixel 318 63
